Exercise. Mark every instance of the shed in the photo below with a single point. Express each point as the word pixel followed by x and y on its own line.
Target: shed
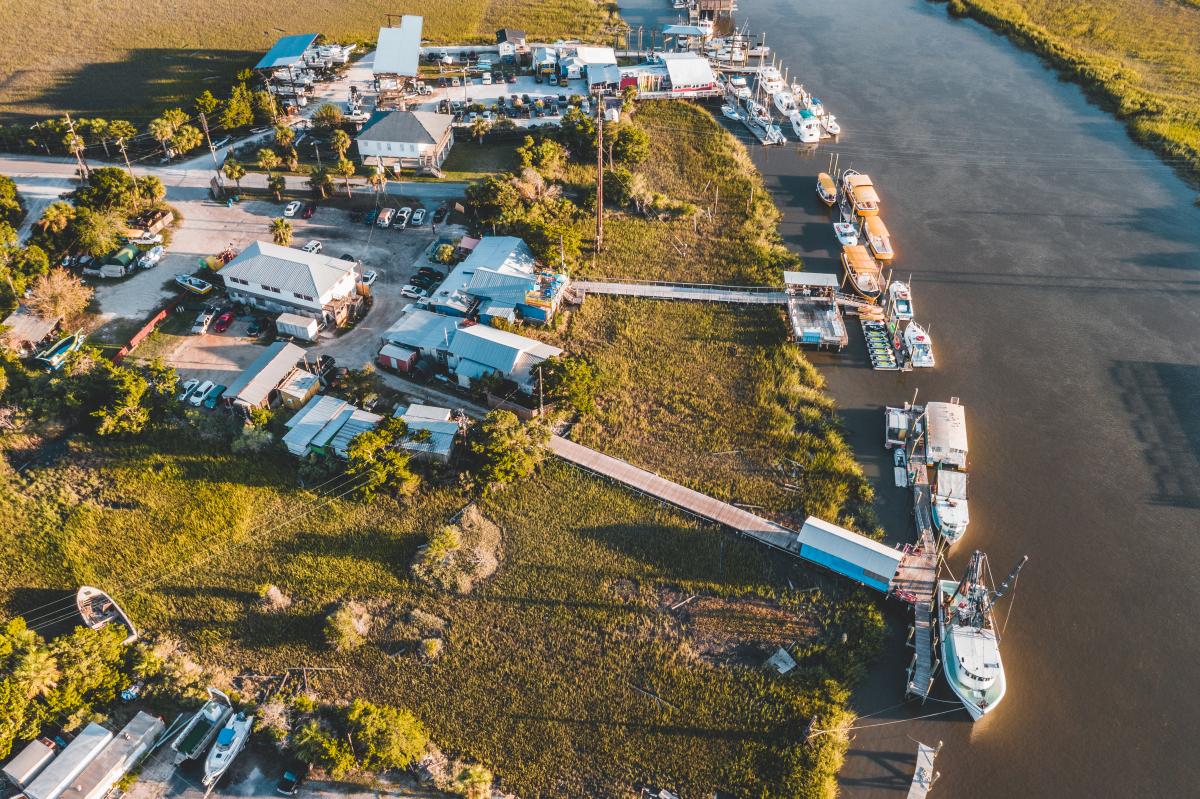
pixel 58 776
pixel 401 359
pixel 116 758
pixel 23 768
pixel 254 386
pixel 946 426
pixel 309 421
pixel 298 388
pixel 847 553
pixel 297 326
pixel 357 422
pixel 439 444
pixel 24 329
pixel 287 51
pixel 428 333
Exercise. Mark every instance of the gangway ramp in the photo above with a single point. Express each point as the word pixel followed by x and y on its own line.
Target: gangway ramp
pixel 842 551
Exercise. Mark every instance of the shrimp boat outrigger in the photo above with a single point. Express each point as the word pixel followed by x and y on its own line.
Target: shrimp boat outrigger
pixel 969 639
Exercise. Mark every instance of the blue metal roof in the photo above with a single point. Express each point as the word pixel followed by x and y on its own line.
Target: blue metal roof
pixel 286 51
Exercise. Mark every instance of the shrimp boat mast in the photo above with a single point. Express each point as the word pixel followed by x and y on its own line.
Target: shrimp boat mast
pixel 969 639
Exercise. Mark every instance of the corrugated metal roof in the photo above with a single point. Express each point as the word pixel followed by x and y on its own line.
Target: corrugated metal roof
pixel 359 422
pixel 116 758
pixel 298 382
pixel 871 555
pixel 287 269
pixel 823 279
pixel 24 326
pixel 286 51
pixel 946 423
pixel 441 435
pixel 688 70
pixel 596 55
pixel 397 352
pixel 399 49
pixel 422 329
pixel 411 127
pixel 258 379
pixel 57 776
pixel 502 254
pixel 498 349
pixel 598 74
pixel 417 411
pixel 500 287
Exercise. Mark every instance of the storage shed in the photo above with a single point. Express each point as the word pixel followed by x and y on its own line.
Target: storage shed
pixel 946 426
pixel 298 388
pixel 255 386
pixel 116 758
pixel 309 421
pixel 296 326
pixel 397 358
pixel 847 553
pixel 22 769
pixel 63 770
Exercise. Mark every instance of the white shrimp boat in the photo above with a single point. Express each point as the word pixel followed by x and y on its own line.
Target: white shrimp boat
pixel 784 102
pixel 731 112
pixel 920 346
pixel 846 232
pixel 970 641
pixel 230 742
pixel 806 126
pixel 830 123
pixel 901 297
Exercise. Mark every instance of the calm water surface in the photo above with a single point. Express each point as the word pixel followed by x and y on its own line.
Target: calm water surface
pixel 1058 266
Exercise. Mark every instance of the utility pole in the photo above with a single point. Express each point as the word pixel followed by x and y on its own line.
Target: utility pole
pixel 83 167
pixel 41 136
pixel 211 149
pixel 599 172
pixel 541 402
pixel 136 198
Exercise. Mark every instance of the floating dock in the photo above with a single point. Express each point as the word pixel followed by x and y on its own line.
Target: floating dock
pixel 923 774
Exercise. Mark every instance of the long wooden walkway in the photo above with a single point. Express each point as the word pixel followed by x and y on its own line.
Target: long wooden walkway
pixel 702 292
pixel 673 493
pixel 916 579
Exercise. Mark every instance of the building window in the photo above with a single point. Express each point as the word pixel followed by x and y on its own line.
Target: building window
pixel 302 296
pixel 271 288
pixel 239 280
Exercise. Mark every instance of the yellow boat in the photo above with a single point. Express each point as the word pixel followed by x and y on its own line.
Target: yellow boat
pixel 862 270
pixel 861 193
pixel 826 188
pixel 878 238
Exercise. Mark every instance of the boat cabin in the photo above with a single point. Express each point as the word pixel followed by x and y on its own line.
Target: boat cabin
pixel 947 434
pixel 861 193
pixel 895 427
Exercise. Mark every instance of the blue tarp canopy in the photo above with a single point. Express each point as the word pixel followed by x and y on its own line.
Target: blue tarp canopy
pixel 287 51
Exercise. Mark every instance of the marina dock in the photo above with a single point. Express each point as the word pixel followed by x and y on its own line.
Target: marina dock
pixel 923 774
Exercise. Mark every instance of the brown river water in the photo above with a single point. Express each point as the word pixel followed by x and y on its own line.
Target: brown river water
pixel 1058 267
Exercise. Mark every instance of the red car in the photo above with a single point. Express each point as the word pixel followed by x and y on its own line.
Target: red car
pixel 223 322
pixel 309 210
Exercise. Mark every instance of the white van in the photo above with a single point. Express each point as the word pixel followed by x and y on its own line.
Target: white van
pixel 385 217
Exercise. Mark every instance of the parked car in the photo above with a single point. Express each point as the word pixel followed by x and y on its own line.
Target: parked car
pixel 188 388
pixel 200 326
pixel 455 82
pixel 385 217
pixel 348 257
pixel 413 292
pixel 151 257
pixel 223 322
pixel 339 374
pixel 313 246
pixel 213 396
pixel 256 327
pixel 292 208
pixel 146 239
pixel 369 277
pixel 418 217
pixel 440 213
pixel 370 217
pixel 421 281
pixel 488 117
pixel 402 217
pixel 431 273
pixel 201 393
pixel 308 211
pixel 487 79
pixel 288 784
pixel 510 78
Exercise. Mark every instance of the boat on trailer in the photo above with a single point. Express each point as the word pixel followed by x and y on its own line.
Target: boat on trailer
pixel 98 610
pixel 200 730
pixel 230 742
pixel 194 284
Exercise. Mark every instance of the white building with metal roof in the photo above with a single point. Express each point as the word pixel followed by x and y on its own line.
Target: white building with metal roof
pixel 398 52
pixel 116 759
pixel 254 387
pixel 309 421
pixel 860 558
pixel 279 279
pixel 426 332
pixel 436 422
pixel 480 350
pixel 62 771
pixel 407 139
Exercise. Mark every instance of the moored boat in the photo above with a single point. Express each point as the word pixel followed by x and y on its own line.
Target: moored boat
pixel 950 510
pixel 826 188
pixel 738 86
pixel 862 271
pixel 901 297
pixel 771 80
pixel 920 346
pixel 861 193
pixel 830 123
pixel 56 354
pixel 730 112
pixel 970 642
pixel 846 232
pixel 814 104
pixel 806 126
pixel 784 102
pixel 230 741
pixel 878 238
pixel 194 284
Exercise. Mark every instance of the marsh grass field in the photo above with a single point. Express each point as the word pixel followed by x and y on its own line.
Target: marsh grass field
pixel 130 59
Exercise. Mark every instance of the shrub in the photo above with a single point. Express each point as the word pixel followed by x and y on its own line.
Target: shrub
pixel 346 628
pixel 385 736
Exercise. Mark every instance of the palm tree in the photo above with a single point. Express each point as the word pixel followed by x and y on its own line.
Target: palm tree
pixel 281 232
pixel 320 182
pixel 340 142
pixel 73 143
pixel 479 128
pixel 162 131
pixel 234 170
pixel 57 216
pixel 276 184
pixel 151 187
pixel 120 130
pixel 284 135
pixel 99 130
pixel 377 180
pixel 267 160
pixel 187 138
pixel 175 117
pixel 345 169
pixel 38 671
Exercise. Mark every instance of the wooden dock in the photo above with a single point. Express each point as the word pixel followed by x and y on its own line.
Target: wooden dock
pixel 916 579
pixel 923 774
pixel 702 292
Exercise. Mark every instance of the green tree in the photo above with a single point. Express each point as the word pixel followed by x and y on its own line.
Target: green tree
pixel 545 155
pixel 340 142
pixel 234 170
pixel 121 130
pixel 267 160
pixel 175 117
pixel 239 109
pixel 386 737
pixel 89 662
pixel 57 217
pixel 97 128
pixel 281 232
pixel 162 132
pixel 345 170
pixel 328 116
pixel 162 383
pixel 206 102
pixel 151 188
pixel 276 185
pixel 473 782
pixel 377 460
pixel 107 188
pixel 628 96
pixel 266 110
pixel 284 135
pixel 312 744
pixel 124 410
pixel 19 267
pixel 578 133
pixel 96 232
pixel 320 182
pixel 37 670
pixel 630 145
pixel 187 138
pixel 507 449
pixel 10 202
pixel 572 379
pixel 444 254
pixel 73 143
pixel 480 128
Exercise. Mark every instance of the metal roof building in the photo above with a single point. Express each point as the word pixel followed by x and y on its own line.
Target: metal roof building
pixel 287 51
pixel 116 758
pixel 688 71
pixel 869 562
pixel 349 424
pixel 29 762
pixel 24 328
pixel 254 385
pixel 481 350
pixel 422 330
pixel 399 49
pixel 286 269
pixel 436 421
pixel 309 421
pixel 63 770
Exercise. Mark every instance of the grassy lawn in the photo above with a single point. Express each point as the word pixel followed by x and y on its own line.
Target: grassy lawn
pixel 166 55
pixel 1140 56
pixel 470 160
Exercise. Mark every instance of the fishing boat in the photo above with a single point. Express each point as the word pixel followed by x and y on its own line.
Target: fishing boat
pixel 950 512
pixel 900 467
pixel 970 641
pixel 846 232
pixel 98 610
pixel 230 741
pixel 739 88
pixel 806 126
pixel 861 193
pixel 830 123
pixel 902 307
pixel 56 354
pixel 194 284
pixel 814 104
pixel 878 238
pixel 784 102
pixel 770 79
pixel 731 112
pixel 758 51
pixel 920 346
pixel 679 4
pixel 862 271
pixel 826 188
pixel 201 728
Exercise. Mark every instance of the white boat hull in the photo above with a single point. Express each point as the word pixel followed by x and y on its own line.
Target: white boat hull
pixel 977 703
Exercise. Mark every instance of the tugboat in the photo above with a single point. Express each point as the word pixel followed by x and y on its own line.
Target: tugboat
pixel 969 639
pixel 230 741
